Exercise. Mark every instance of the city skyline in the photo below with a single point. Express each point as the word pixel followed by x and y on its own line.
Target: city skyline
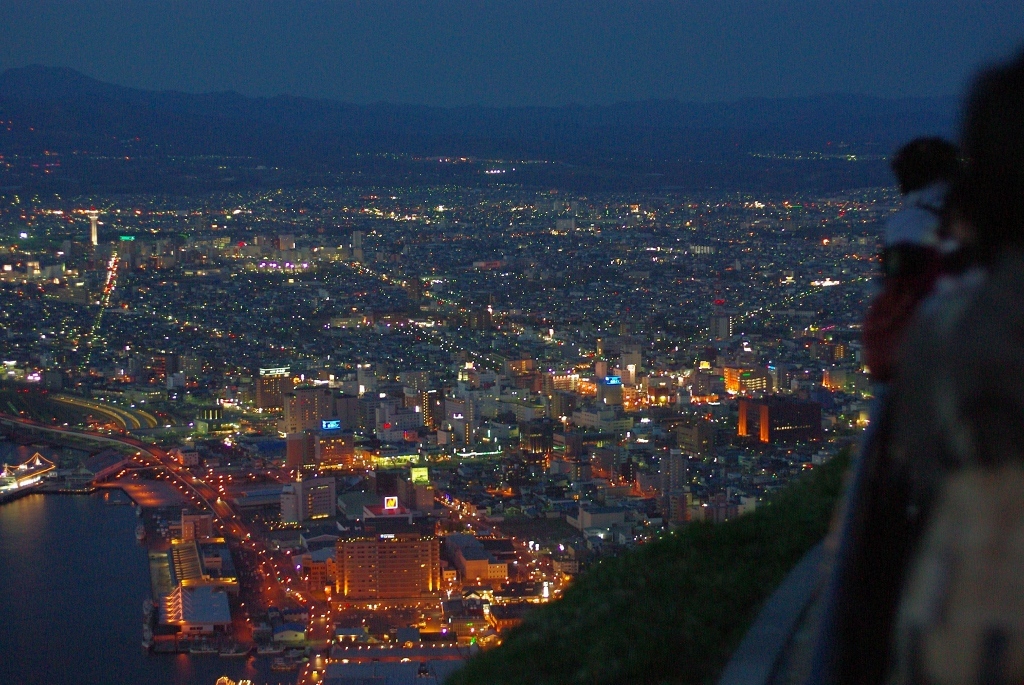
pixel 475 343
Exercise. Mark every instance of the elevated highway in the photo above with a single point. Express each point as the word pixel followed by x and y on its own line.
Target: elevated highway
pixel 127 419
pixel 146 455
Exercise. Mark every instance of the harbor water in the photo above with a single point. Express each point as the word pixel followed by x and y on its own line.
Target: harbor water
pixel 72 583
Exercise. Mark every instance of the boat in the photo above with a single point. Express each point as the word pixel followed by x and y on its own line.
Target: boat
pixel 269 650
pixel 140 532
pixel 233 649
pixel 280 664
pixel 202 648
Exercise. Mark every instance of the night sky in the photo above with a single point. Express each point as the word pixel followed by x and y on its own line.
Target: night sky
pixel 522 52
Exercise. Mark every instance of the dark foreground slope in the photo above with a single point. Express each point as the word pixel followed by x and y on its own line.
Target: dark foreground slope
pixel 673 610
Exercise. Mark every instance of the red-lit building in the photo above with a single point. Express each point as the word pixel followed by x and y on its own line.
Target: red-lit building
pixel 779 419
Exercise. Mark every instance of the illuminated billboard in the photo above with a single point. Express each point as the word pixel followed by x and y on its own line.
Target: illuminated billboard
pixel 331 425
pixel 613 380
pixel 279 371
pixel 390 502
pixel 420 475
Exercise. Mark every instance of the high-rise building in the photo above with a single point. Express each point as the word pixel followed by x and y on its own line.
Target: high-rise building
pixel 537 437
pixel 609 391
pixel 94 230
pixel 739 380
pixel 781 375
pixel 696 437
pixel 834 378
pixel 164 365
pixel 631 363
pixel 416 491
pixel 627 470
pixel 191 366
pixel 563 403
pixel 271 384
pixel 305 408
pixel 416 380
pixel 673 471
pixel 480 318
pixel 431 406
pixel 346 409
pixel 552 382
pixel 357 246
pixel 312 498
pixel 674 485
pixel 366 378
pixel 334 448
pixel 777 419
pixel 722 324
pixel 299 450
pixel 390 566
pixel 392 420
pixel 415 289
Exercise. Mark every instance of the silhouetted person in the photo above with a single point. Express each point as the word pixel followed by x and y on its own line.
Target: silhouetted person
pixel 929 582
pixel 913 251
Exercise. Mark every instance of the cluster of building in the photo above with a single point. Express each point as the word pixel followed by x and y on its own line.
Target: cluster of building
pixel 444 401
pixel 201 576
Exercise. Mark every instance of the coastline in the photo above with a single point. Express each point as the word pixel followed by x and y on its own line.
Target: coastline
pixel 92 595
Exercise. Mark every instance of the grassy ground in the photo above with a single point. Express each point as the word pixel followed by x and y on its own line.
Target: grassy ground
pixel 671 611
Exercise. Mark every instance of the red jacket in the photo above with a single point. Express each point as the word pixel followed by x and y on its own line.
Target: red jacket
pixel 890 314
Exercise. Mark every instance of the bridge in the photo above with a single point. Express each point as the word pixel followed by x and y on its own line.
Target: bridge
pixel 147 455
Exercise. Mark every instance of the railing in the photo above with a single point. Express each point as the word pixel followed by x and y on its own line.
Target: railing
pixel 774 650
pixel 792 640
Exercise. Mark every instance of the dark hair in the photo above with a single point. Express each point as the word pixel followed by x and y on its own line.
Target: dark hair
pixel 924 161
pixel 991 193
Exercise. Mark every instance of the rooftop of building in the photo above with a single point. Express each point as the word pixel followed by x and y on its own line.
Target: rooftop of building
pixel 203 604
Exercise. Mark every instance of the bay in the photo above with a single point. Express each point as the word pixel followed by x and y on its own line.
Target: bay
pixel 72 583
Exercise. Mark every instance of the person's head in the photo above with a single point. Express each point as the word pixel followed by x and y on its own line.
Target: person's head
pixel 925 161
pixel 991 192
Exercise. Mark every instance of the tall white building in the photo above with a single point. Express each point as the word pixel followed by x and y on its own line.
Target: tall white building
pixel 722 324
pixel 94 229
pixel 303 500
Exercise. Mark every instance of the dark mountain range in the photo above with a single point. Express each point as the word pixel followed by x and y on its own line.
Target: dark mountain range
pixel 756 144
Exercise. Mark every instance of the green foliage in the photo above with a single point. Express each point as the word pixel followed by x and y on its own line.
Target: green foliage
pixel 671 611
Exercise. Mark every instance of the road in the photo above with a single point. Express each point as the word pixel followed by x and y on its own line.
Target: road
pixel 128 419
pixel 277 577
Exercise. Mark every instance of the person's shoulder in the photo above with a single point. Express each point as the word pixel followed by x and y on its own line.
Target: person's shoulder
pixel 931 198
pixel 950 299
pixel 992 324
pixel 912 225
pixel 917 223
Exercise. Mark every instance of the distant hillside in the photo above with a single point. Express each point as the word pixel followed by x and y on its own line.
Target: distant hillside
pixel 671 611
pixel 655 143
